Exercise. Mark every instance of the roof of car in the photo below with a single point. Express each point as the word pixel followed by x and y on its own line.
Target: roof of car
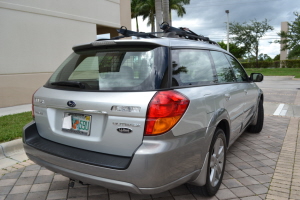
pixel 162 41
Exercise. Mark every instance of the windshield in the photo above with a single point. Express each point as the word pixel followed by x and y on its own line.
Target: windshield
pixel 112 69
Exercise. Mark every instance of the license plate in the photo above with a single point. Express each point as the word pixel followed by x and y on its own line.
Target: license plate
pixel 77 123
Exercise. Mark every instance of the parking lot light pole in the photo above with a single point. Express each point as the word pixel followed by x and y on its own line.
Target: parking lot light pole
pixel 227 11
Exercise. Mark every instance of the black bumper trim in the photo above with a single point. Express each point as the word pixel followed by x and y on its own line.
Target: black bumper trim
pixel 33 139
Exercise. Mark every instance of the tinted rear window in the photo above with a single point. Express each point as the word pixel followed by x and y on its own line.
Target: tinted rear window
pixel 112 69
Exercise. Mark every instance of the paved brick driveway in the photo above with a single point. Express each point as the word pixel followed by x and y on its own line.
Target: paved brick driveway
pixel 250 166
pixel 259 166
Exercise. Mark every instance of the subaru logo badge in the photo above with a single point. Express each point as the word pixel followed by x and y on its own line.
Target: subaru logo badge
pixel 71 103
pixel 124 130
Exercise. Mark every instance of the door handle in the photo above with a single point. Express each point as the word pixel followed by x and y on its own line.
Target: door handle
pixel 227 97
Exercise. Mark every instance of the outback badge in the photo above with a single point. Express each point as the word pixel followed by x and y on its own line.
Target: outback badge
pixel 124 130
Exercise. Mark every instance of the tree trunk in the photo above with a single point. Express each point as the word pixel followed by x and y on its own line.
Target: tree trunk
pixel 166 11
pixel 137 24
pixel 152 19
pixel 170 17
pixel 158 14
pixel 256 56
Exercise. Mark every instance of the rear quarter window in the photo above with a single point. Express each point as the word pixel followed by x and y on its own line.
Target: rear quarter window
pixel 191 67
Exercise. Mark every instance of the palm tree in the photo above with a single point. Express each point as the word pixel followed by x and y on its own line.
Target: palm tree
pixel 158 14
pixel 177 5
pixel 135 11
pixel 166 10
pixel 146 8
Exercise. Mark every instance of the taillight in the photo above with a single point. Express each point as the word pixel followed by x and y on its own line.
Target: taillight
pixel 164 111
pixel 32 105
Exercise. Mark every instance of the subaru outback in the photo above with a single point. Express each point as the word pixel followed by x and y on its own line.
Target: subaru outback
pixel 144 114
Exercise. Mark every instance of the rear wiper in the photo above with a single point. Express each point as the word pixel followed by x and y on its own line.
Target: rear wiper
pixel 69 84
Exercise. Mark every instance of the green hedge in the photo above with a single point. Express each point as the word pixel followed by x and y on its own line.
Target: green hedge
pixel 274 64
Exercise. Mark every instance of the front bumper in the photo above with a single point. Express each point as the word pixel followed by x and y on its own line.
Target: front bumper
pixel 157 165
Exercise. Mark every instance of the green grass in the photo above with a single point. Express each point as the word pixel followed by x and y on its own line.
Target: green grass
pixel 11 126
pixel 275 71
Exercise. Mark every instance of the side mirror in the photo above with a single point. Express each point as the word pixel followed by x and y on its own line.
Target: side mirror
pixel 256 77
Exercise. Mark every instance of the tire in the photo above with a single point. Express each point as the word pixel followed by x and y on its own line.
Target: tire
pixel 260 120
pixel 216 166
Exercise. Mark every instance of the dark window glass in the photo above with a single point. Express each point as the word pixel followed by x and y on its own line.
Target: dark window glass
pixel 238 70
pixel 223 68
pixel 191 67
pixel 112 69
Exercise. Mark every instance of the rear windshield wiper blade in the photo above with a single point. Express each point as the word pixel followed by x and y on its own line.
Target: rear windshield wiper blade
pixel 69 84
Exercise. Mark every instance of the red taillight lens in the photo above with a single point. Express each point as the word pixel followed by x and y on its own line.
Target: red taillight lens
pixel 164 111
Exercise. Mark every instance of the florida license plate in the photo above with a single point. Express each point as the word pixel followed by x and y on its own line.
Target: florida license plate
pixel 77 123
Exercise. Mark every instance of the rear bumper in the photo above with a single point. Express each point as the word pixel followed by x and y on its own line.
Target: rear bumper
pixel 156 166
pixel 33 139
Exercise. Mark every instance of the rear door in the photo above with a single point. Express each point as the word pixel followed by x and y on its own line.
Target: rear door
pixel 249 89
pixel 233 94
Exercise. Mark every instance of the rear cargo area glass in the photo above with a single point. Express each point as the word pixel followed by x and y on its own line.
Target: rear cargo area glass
pixel 115 69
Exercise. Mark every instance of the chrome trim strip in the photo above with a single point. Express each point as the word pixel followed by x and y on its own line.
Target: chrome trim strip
pixel 79 110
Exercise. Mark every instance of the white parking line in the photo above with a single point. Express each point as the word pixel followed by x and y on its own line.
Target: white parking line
pixel 279 109
pixel 283 112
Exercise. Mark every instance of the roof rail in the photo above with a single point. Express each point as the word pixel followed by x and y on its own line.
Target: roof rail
pixel 181 32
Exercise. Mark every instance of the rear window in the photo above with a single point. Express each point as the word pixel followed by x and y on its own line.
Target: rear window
pixel 112 69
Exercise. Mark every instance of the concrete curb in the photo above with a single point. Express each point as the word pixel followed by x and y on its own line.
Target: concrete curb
pixel 15 109
pixel 7 149
pixel 297 99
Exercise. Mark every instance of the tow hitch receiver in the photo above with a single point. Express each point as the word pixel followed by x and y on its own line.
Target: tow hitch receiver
pixel 72 183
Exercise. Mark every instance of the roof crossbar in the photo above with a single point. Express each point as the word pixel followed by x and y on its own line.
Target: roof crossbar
pixel 184 32
pixel 128 33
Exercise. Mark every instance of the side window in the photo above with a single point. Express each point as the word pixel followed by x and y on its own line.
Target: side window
pixel 223 68
pixel 238 70
pixel 191 67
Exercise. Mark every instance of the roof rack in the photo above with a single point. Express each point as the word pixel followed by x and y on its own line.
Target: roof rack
pixel 185 32
pixel 181 32
pixel 128 33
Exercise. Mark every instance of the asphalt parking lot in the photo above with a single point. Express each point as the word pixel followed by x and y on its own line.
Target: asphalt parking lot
pixel 259 166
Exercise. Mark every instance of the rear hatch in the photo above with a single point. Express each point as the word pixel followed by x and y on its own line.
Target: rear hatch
pixel 97 99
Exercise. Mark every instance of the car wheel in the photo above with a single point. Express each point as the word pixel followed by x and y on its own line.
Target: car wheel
pixel 216 166
pixel 260 120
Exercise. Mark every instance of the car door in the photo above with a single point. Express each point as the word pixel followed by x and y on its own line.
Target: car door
pixel 249 90
pixel 233 94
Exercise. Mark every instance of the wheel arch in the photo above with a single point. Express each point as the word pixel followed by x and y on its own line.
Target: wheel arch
pixel 221 119
pixel 224 125
pixel 261 96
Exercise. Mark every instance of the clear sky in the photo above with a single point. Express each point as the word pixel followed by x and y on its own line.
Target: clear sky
pixel 208 18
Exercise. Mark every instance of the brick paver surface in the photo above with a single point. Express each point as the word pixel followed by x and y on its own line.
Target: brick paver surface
pixel 280 95
pixel 251 163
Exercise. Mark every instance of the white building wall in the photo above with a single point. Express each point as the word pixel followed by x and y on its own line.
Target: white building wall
pixel 37 35
pixel 39 43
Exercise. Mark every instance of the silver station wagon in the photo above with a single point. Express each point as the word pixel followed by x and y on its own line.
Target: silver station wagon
pixel 144 115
